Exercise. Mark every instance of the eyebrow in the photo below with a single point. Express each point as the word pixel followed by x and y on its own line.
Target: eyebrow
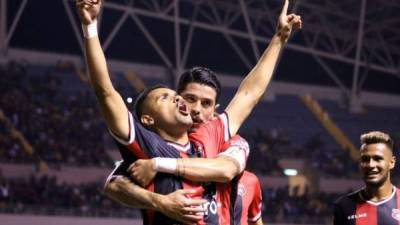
pixel 194 95
pixel 162 95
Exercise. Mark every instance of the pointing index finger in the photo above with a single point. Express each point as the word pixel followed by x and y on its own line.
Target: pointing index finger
pixel 285 8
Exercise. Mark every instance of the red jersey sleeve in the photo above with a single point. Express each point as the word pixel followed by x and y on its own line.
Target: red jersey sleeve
pixel 254 211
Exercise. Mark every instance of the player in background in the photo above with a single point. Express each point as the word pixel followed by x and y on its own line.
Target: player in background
pixel 378 203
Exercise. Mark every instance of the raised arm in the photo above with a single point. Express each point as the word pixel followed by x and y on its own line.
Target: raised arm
pixel 255 83
pixel 111 103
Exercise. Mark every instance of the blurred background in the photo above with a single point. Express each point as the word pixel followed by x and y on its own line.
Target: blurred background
pixel 337 78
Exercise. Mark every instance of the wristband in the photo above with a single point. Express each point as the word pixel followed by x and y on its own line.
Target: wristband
pixel 90 30
pixel 165 165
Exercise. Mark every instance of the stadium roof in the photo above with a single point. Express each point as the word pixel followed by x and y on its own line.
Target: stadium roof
pixel 351 44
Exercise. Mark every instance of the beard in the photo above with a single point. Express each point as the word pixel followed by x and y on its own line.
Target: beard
pixel 377 183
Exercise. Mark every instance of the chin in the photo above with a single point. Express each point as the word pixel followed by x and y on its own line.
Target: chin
pixel 189 123
pixel 374 182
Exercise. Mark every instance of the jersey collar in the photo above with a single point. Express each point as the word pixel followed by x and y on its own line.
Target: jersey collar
pixel 380 202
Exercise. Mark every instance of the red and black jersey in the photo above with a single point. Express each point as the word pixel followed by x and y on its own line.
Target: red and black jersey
pixel 354 209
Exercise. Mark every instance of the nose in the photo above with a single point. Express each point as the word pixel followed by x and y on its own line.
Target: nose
pixel 177 98
pixel 195 107
pixel 371 163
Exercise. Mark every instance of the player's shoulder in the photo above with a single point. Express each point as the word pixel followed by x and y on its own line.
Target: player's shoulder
pixel 349 198
pixel 248 177
pixel 220 120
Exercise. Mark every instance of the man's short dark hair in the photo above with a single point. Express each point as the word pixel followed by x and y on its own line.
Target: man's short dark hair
pixel 201 75
pixel 140 100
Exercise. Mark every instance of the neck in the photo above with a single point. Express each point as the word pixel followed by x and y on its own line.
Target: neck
pixel 379 193
pixel 175 135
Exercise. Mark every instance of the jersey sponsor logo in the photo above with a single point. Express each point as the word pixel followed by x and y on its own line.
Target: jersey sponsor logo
pixel 396 214
pixel 211 206
pixel 241 190
pixel 357 216
pixel 199 149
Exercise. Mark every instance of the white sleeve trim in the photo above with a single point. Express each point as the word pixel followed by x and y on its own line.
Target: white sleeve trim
pixel 225 121
pixel 117 165
pixel 254 219
pixel 131 132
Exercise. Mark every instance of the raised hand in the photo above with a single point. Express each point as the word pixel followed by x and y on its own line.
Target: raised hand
pixel 286 23
pixel 88 10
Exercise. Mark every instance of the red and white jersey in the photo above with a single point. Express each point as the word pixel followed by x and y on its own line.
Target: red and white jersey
pixel 249 193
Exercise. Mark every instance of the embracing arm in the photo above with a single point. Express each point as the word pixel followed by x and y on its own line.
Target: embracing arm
pixel 254 85
pixel 122 190
pixel 174 205
pixel 222 168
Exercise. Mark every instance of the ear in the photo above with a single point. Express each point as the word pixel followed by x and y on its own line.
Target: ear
pixel 393 162
pixel 146 120
pixel 215 110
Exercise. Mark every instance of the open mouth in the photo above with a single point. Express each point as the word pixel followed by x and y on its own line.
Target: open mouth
pixel 182 108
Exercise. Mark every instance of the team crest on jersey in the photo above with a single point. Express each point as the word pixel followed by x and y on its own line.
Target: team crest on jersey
pixel 396 214
pixel 241 190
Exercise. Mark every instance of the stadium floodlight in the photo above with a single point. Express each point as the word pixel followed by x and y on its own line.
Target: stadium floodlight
pixel 290 172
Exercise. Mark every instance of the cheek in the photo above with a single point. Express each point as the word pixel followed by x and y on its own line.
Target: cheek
pixel 165 111
pixel 208 114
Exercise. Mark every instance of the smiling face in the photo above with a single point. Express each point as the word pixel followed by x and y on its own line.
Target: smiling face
pixel 201 101
pixel 375 163
pixel 163 109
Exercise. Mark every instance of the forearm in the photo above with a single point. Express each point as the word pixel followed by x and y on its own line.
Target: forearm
pixel 111 103
pixel 97 66
pixel 221 169
pixel 255 83
pixel 125 192
pixel 253 86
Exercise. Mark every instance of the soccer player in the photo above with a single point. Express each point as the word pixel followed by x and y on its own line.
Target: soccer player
pixel 378 202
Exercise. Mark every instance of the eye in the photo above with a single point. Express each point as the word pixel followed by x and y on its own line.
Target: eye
pixel 378 158
pixel 206 103
pixel 364 159
pixel 164 96
pixel 190 98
